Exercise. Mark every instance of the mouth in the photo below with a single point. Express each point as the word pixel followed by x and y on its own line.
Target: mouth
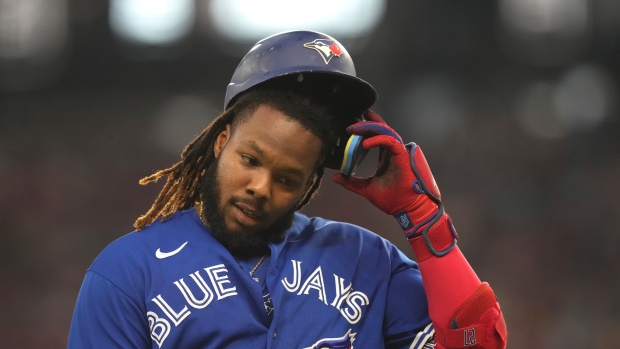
pixel 248 215
pixel 249 212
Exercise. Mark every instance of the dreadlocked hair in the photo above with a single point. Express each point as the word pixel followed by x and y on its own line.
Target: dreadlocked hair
pixel 181 190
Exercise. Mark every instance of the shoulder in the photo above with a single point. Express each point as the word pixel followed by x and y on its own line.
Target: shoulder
pixel 335 231
pixel 320 225
pixel 176 228
pixel 133 253
pixel 346 238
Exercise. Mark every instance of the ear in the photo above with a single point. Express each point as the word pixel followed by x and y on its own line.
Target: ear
pixel 221 141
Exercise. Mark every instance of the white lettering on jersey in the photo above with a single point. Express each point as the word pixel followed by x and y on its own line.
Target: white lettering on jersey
pixel 160 328
pixel 292 287
pixel 219 281
pixel 176 318
pixel 315 281
pixel 345 341
pixel 218 277
pixel 341 292
pixel 189 295
pixel 354 300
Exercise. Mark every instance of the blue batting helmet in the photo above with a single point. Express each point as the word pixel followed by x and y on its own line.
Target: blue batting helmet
pixel 308 57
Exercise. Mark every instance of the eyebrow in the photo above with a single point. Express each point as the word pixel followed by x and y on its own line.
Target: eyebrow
pixel 252 144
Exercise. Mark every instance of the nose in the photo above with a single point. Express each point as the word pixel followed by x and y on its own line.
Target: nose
pixel 260 185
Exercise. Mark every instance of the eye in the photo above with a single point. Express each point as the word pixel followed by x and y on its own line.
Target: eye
pixel 288 182
pixel 249 160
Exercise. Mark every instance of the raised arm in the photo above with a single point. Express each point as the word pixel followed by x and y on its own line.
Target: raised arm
pixel 464 310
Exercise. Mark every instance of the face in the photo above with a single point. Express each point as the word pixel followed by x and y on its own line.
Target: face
pixel 263 167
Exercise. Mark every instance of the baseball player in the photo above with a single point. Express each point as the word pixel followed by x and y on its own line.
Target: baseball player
pixel 223 258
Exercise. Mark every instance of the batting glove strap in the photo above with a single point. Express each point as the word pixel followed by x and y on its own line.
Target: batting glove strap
pixel 436 231
pixel 437 238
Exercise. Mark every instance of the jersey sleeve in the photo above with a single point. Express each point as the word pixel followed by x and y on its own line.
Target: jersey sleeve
pixel 106 317
pixel 407 323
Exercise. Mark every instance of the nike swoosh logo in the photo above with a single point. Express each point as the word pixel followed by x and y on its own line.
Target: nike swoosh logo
pixel 161 255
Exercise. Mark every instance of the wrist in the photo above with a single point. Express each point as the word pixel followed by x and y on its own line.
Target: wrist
pixel 416 216
pixel 437 238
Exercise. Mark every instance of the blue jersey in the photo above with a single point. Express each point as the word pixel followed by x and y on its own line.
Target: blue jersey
pixel 327 285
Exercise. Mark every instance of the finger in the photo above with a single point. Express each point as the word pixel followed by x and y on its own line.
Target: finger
pixel 372 128
pixel 355 184
pixel 367 128
pixel 372 116
pixel 387 142
pixel 383 164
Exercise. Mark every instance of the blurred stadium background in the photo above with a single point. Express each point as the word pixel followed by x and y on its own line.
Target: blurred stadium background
pixel 515 103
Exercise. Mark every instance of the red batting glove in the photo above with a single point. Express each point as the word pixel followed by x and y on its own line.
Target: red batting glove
pixel 403 186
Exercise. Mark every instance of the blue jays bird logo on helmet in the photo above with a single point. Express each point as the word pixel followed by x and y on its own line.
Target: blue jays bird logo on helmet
pixel 326 48
pixel 344 342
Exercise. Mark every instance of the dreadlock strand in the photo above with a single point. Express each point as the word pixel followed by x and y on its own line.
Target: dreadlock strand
pixel 174 203
pixel 315 186
pixel 157 175
pixel 181 189
pixel 158 206
pixel 189 183
pixel 184 194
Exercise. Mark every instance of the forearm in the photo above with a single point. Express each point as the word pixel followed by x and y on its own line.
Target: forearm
pixel 448 282
pixel 464 310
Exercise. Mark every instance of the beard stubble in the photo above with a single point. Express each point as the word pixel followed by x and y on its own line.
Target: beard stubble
pixel 240 244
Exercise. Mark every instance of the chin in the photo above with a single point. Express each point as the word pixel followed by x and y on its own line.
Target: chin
pixel 240 230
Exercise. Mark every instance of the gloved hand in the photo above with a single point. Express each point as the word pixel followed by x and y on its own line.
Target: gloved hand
pixel 403 186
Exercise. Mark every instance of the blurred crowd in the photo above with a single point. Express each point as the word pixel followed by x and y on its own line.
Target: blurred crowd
pixel 524 147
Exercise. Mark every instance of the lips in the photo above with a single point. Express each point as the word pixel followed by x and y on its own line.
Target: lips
pixel 247 214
